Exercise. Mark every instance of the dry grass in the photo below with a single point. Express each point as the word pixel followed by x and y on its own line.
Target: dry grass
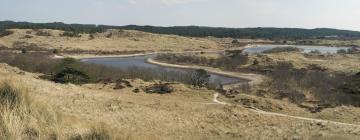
pixel 347 63
pixel 184 114
pixel 121 40
pixel 23 117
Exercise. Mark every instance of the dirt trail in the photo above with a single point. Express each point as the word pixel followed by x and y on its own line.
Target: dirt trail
pixel 254 79
pixel 259 111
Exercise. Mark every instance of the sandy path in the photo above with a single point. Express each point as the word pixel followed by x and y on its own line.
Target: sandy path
pixel 262 112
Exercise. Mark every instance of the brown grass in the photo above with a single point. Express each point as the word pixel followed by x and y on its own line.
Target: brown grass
pixel 183 114
pixel 119 41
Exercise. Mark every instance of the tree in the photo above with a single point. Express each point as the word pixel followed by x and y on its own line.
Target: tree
pixel 69 71
pixel 23 50
pixel 200 78
pixel 71 75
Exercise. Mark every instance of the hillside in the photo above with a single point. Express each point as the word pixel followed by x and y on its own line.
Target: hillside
pixel 109 41
pixel 185 114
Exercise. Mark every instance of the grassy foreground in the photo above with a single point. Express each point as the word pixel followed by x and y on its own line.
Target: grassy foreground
pixel 39 109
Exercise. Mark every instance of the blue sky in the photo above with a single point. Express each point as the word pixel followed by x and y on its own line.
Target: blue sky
pixel 341 14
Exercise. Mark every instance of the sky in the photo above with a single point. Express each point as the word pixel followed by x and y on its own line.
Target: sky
pixel 339 14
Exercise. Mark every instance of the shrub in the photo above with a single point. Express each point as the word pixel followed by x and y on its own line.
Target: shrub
pixel 288 82
pixel 4 33
pixel 42 33
pixel 316 67
pixel 136 90
pixel 9 96
pixel 109 35
pixel 71 75
pixel 55 51
pixel 282 49
pixel 97 134
pixel 27 36
pixel 23 50
pixel 315 52
pixel 200 78
pixel 91 36
pixel 352 85
pixel 121 83
pixel 30 46
pixel 342 51
pixel 351 50
pixel 70 34
pixel 161 88
pixel 235 41
pixel 255 62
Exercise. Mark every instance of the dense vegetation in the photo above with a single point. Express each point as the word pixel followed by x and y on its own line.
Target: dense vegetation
pixel 192 31
pixel 326 89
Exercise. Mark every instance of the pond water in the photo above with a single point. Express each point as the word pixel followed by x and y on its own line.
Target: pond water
pixel 140 62
pixel 306 49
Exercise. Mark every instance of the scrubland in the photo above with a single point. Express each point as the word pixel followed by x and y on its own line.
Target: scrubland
pixel 114 104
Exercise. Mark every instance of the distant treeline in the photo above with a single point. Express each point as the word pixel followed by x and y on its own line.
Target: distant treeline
pixel 196 31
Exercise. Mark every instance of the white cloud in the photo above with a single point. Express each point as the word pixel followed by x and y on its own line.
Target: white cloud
pixel 166 2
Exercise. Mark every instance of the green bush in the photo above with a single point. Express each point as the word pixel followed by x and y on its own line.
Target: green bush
pixel 71 75
pixel 200 78
pixel 55 51
pixel 255 62
pixel 23 50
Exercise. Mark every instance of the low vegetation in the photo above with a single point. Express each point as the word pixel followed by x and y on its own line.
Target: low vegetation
pixel 159 88
pixel 4 32
pixel 42 33
pixel 200 78
pixel 282 49
pixel 70 34
pixel 311 86
pixel 230 61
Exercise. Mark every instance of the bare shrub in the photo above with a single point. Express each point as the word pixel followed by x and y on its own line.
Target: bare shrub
pixel 159 88
pixel 42 33
pixel 290 83
pixel 4 33
pixel 230 61
pixel 70 34
pixel 282 49
pixel 18 45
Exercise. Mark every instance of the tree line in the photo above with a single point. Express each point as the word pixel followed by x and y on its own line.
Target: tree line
pixel 195 31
